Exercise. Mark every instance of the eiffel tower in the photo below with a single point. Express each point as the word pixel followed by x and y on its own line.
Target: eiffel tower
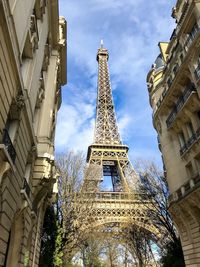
pixel 107 160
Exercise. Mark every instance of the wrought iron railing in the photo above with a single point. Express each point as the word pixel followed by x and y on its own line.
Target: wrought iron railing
pixel 197 72
pixel 179 104
pixel 183 149
pixel 190 141
pixel 192 35
pixel 113 195
pixel 9 146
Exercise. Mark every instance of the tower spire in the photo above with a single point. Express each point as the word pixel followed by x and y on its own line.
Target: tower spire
pixel 101 43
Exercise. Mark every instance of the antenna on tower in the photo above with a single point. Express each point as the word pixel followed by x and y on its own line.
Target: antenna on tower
pixel 101 43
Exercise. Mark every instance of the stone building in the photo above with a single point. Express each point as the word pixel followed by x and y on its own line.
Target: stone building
pixel 174 90
pixel 32 70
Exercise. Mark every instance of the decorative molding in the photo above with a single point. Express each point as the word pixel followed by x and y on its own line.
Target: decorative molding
pixel 16 107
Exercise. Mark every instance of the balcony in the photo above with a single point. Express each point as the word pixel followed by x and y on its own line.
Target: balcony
pixel 185 189
pixel 6 141
pixel 197 72
pixel 183 149
pixel 26 191
pixel 192 140
pixel 192 36
pixel 179 104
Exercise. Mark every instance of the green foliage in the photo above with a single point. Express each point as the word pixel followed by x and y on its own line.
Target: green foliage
pixel 72 265
pixel 173 255
pixel 58 254
pixel 48 238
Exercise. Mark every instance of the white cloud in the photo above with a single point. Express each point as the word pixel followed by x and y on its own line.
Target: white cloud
pixel 74 127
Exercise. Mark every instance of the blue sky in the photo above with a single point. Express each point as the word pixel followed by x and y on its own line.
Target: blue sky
pixel 131 30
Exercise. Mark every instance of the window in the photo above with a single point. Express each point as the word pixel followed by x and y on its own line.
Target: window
pixel 198 115
pixel 189 169
pixel 181 57
pixel 169 82
pixel 175 68
pixel 27 172
pixel 197 162
pixel 11 128
pixel 12 125
pixel 190 129
pixel 9 137
pixel 181 139
pixel 194 31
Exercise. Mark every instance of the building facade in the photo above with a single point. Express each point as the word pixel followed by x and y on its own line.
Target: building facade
pixel 32 71
pixel 174 90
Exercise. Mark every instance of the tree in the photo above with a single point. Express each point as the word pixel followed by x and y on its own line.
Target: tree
pixel 91 250
pixel 48 238
pixel 140 244
pixel 72 206
pixel 154 184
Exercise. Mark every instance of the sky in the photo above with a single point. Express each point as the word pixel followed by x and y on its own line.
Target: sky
pixel 131 30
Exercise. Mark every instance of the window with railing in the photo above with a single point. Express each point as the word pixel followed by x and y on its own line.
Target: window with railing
pixel 190 129
pixel 197 162
pixel 180 103
pixel 197 72
pixel 181 57
pixel 191 134
pixel 192 137
pixel 9 134
pixel 191 35
pixel 169 82
pixel 182 142
pixel 6 140
pixel 189 169
pixel 175 68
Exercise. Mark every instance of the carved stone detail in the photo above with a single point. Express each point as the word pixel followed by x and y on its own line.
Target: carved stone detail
pixel 17 105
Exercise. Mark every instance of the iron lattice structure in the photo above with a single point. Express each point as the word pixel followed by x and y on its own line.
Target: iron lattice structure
pixel 108 157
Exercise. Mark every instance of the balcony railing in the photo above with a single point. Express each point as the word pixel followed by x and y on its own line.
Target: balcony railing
pixel 116 196
pixel 9 146
pixel 195 136
pixel 191 140
pixel 197 72
pixel 192 36
pixel 183 149
pixel 179 104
